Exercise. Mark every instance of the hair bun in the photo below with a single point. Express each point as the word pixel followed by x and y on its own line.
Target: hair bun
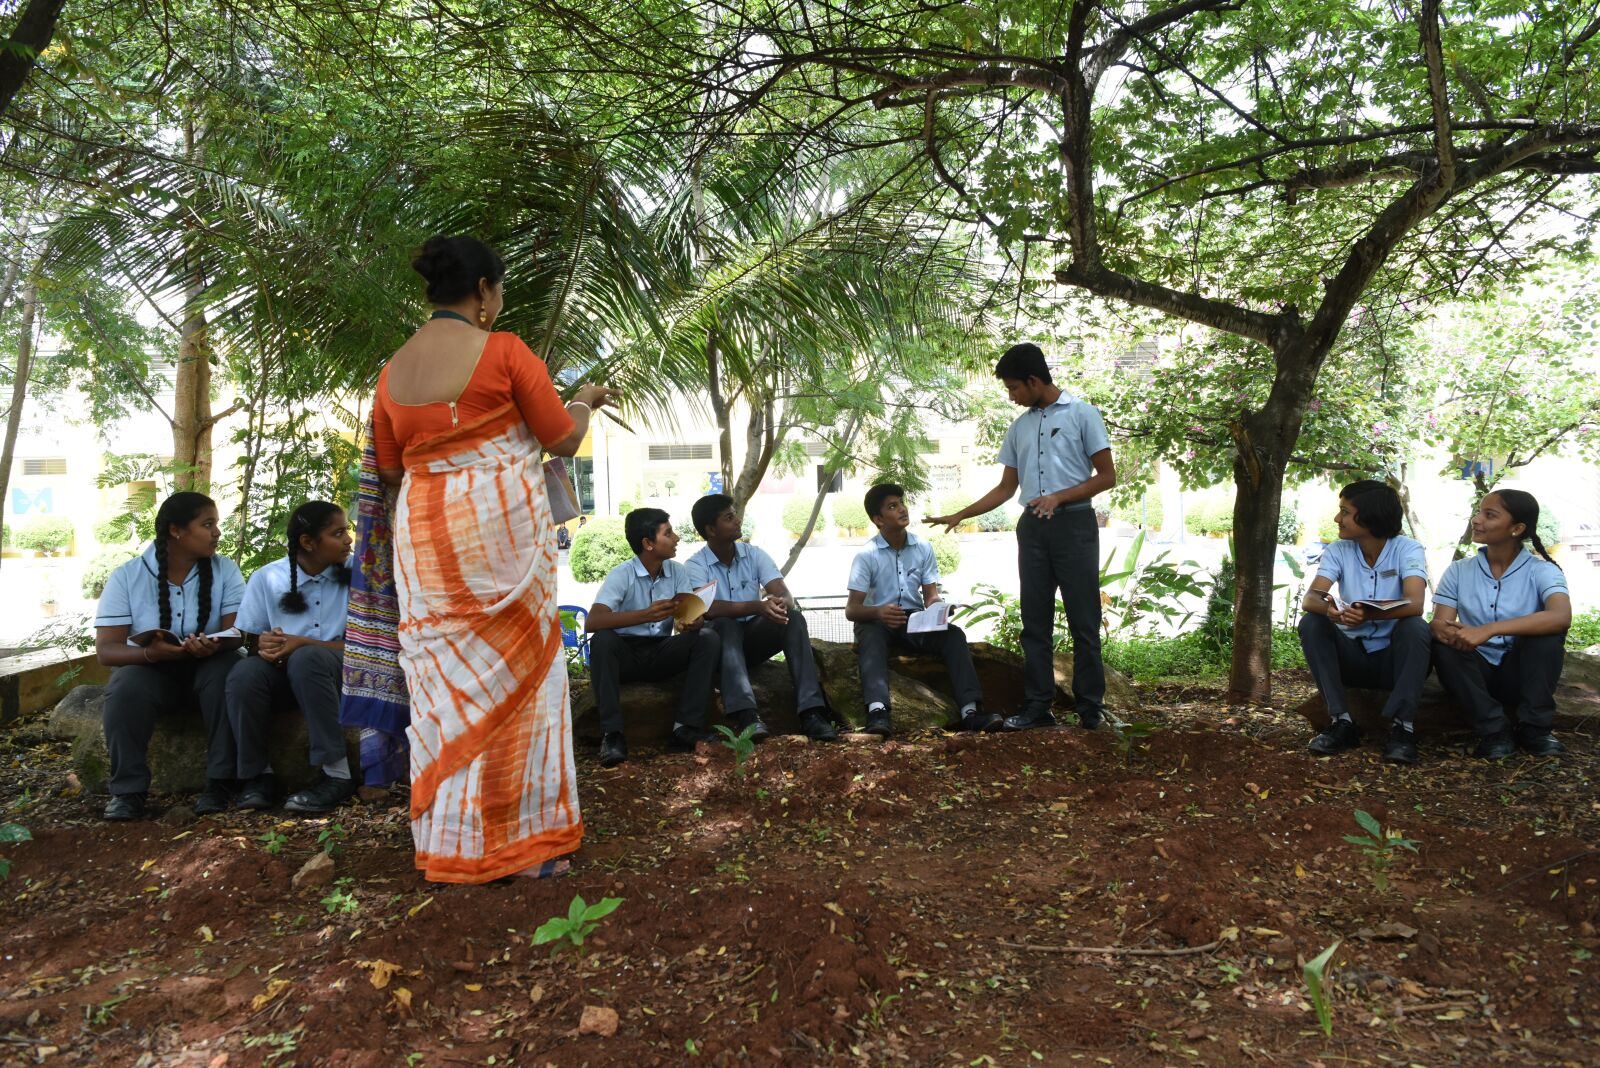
pixel 453 267
pixel 436 258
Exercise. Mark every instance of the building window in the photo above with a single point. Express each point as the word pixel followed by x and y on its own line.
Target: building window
pixel 816 448
pixel 827 483
pixel 54 465
pixel 680 452
pixel 581 468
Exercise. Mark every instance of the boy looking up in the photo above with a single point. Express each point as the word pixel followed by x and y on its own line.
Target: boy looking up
pixel 631 623
pixel 756 617
pixel 895 575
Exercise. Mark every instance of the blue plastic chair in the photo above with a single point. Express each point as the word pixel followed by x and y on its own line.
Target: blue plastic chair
pixel 575 637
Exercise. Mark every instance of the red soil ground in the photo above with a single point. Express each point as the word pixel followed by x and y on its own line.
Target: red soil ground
pixel 856 903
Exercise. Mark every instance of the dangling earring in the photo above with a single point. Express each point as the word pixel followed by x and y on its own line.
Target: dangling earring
pixel 483 315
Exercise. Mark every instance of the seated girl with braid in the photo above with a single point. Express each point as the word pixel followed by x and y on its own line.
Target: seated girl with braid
pixel 294 610
pixel 161 626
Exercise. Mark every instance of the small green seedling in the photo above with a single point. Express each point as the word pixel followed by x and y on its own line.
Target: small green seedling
pixel 578 924
pixel 742 745
pixel 1316 973
pixel 340 900
pixel 10 834
pixel 273 841
pixel 332 839
pixel 1379 846
pixel 1230 972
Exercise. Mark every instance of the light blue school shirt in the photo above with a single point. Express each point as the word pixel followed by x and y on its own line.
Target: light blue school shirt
pixel 743 579
pixel 130 596
pixel 1399 559
pixel 1050 447
pixel 327 603
pixel 1478 597
pixel 890 576
pixel 628 587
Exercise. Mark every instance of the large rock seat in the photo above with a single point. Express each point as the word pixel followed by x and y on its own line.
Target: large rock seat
pixel 177 753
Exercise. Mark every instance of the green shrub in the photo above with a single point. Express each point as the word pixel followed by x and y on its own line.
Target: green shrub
pixel 597 548
pixel 995 520
pixel 797 511
pixel 1585 630
pixel 1548 527
pixel 850 515
pixel 1328 531
pixel 1288 523
pixel 951 503
pixel 1143 511
pixel 946 553
pixel 118 529
pixel 100 568
pixel 47 535
pixel 1147 659
pixel 1212 513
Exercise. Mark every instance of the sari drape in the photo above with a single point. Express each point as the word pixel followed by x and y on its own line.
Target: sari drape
pixel 493 784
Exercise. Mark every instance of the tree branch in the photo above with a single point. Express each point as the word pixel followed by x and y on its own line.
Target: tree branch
pixel 31 35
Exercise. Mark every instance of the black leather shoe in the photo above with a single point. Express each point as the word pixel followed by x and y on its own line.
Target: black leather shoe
pixel 816 725
pixel 613 749
pixel 1495 747
pixel 684 737
pixel 979 720
pixel 1343 735
pixel 1091 720
pixel 878 723
pixel 1027 721
pixel 215 798
pixel 742 720
pixel 1539 743
pixel 324 795
pixel 1401 748
pixel 124 807
pixel 258 795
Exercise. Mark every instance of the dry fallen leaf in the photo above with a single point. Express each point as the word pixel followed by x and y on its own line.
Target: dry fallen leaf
pixel 402 999
pixel 205 933
pixel 384 970
pixel 266 997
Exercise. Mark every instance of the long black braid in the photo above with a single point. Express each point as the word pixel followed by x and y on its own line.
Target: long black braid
pixel 1523 508
pixel 179 510
pixel 309 520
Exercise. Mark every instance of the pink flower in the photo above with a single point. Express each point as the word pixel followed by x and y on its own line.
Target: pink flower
pixel 1315 405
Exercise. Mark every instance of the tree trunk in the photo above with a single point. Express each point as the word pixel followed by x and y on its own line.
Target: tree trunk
pixel 761 438
pixel 1255 553
pixel 19 386
pixel 31 35
pixel 719 410
pixel 822 492
pixel 191 405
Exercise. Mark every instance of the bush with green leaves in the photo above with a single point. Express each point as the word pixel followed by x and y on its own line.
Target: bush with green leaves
pixel 946 553
pixel 1145 511
pixel 1585 629
pixel 1549 526
pixel 10 834
pixel 1288 523
pixel 996 520
pixel 117 529
pixel 797 512
pixel 100 568
pixel 1327 530
pixel 951 503
pixel 1211 513
pixel 851 516
pixel 597 547
pixel 49 534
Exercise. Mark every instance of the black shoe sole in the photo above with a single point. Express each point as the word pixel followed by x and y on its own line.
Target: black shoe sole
pixel 250 803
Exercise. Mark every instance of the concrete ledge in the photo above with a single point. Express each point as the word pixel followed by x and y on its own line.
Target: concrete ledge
pixel 36 680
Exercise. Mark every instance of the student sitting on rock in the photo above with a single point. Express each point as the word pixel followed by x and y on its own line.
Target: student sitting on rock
pixel 632 639
pixel 895 575
pixel 1349 640
pixel 1500 624
pixel 151 628
pixel 294 612
pixel 756 618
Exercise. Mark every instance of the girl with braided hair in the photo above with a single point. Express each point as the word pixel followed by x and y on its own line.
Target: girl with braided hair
pixel 151 628
pixel 1499 629
pixel 294 616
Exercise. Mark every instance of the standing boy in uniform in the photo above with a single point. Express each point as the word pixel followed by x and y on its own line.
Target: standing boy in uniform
pixel 756 618
pixel 632 640
pixel 895 575
pixel 1056 457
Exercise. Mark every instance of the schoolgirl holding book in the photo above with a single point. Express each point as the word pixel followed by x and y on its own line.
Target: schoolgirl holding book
pixel 163 626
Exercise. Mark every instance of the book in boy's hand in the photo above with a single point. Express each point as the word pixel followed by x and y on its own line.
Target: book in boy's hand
pixel 691 606
pixel 154 634
pixel 1382 605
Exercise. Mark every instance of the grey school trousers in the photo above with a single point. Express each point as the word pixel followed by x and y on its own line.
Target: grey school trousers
pixel 139 694
pixel 1337 660
pixel 312 679
pixel 747 643
pixel 1060 553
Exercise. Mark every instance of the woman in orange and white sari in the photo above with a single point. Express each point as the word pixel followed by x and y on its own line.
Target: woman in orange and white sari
pixel 459 420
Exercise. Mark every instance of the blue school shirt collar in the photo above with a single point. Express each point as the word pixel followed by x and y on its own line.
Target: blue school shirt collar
pixel 640 571
pixel 879 542
pixel 1518 562
pixel 150 565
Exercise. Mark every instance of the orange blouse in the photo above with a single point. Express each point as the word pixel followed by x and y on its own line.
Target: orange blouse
pixel 507 371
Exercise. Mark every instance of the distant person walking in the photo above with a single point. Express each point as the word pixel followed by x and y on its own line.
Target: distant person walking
pixel 459 419
pixel 1055 457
